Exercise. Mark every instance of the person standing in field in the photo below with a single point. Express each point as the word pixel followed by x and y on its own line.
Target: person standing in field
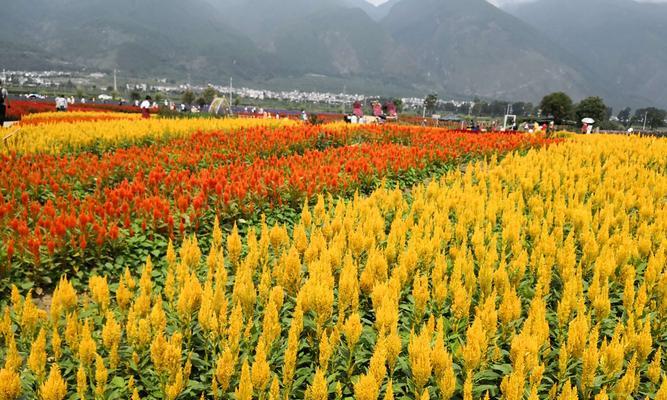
pixel 4 104
pixel 146 107
pixel 61 103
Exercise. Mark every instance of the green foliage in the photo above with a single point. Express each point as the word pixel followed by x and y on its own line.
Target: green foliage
pixel 430 102
pixel 208 95
pixel 654 117
pixel 592 107
pixel 557 105
pixel 188 97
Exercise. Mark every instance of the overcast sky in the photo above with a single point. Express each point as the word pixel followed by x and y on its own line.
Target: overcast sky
pixel 501 2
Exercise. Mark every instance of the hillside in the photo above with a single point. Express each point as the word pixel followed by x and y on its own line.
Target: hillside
pixel 624 41
pixel 473 48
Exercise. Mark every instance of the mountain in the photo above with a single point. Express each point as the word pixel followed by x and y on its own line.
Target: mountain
pixel 624 41
pixel 142 37
pixel 403 47
pixel 332 38
pixel 471 47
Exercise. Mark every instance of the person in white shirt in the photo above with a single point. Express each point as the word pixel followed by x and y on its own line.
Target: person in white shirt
pixel 146 107
pixel 61 103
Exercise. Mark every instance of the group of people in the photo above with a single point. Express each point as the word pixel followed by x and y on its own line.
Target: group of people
pixel 379 114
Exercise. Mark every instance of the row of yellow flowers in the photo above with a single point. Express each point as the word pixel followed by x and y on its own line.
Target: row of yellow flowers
pixel 54 117
pixel 539 277
pixel 63 137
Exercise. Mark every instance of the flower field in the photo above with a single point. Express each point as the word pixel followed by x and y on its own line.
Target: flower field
pixel 540 275
pixel 76 116
pixel 89 132
pixel 73 213
pixel 19 109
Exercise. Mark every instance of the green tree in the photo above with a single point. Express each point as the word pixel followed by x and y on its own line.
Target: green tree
pixel 430 102
pixel 135 95
pixel 625 116
pixel 654 117
pixel 592 107
pixel 399 104
pixel 188 97
pixel 209 94
pixel 557 105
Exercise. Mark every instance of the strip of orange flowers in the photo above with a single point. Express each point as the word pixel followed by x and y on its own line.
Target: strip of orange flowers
pixel 83 210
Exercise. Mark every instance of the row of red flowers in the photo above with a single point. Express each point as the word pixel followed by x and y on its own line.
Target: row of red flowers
pixel 19 108
pixel 84 203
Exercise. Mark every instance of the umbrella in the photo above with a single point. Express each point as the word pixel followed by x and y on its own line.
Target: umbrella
pixel 588 121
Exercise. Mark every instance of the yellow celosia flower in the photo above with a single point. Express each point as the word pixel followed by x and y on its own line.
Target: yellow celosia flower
pixel 64 298
pixel 510 307
pixel 419 351
pixel 101 376
pixel 655 367
pixel 234 246
pixel 274 391
pixel 569 392
pixel 81 382
pixel 13 359
pixel 54 388
pixel 602 395
pixel 318 390
pixel 37 357
pixel 467 387
pixel 421 295
pixel 261 372
pixel 394 348
pixel 389 393
pixel 123 295
pixel 99 290
pixel 366 388
pixel 626 386
pixel 87 347
pixel 10 384
pixel 662 392
pixel 245 388
pixel 224 369
pixel 352 330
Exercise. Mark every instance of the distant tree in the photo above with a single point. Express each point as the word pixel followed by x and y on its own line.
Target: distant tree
pixel 135 95
pixel 655 117
pixel 109 88
pixel 188 97
pixel 430 102
pixel 557 105
pixel 625 116
pixel 79 92
pixel 209 94
pixel 201 102
pixel 158 97
pixel 399 104
pixel 592 107
pixel 522 109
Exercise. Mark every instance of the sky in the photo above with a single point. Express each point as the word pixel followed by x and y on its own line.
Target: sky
pixel 503 2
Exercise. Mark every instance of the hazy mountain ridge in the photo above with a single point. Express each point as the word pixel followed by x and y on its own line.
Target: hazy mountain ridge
pixel 624 41
pixel 455 47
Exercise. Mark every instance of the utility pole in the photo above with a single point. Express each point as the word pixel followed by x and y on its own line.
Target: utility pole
pixel 231 89
pixel 645 117
pixel 344 90
pixel 115 82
